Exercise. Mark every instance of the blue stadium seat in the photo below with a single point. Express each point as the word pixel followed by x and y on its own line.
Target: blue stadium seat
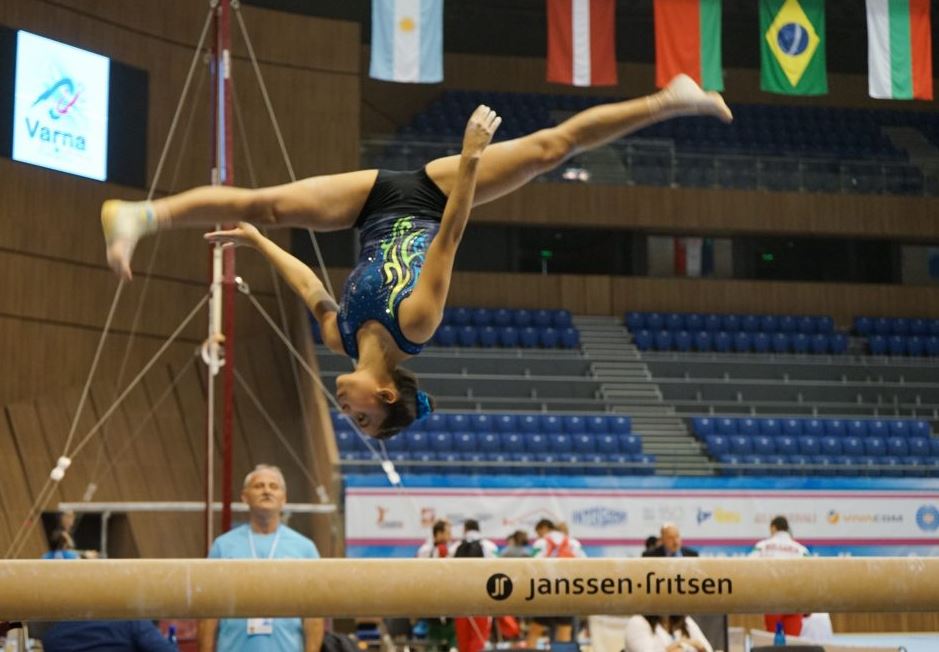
pixel 440 441
pixel 674 321
pixel 877 345
pixel 607 444
pixel 899 326
pixel 561 319
pixel 764 445
pixel 460 317
pixel 712 323
pixel 919 428
pixel 445 336
pixel 717 445
pixel 549 338
pixel 527 423
pixel 702 426
pixel 573 425
pixel 682 341
pixel 761 343
pixel 506 423
pixel 481 423
pixel 882 326
pixel 915 346
pixel 819 344
pixel 919 447
pixel 830 446
pixel 896 345
pixel 654 321
pixel 508 337
pixel 597 425
pixel 458 422
pixel 635 321
pixel 748 427
pixel 740 445
pixel 769 323
pixel 780 343
pixel 570 338
pixel 932 346
pixel 512 443
pixel 619 424
pixel 808 445
pixel 834 427
pixel 857 428
pixel 694 322
pixel 467 336
pixel 792 427
pixel 502 318
pixel 481 317
pixel 743 342
pixel 787 324
pixel 800 343
pixel 488 336
pixel 464 442
pixel 770 427
pixel 528 337
pixel 815 427
pixel 825 325
pixel 663 341
pixel 875 446
pixel 436 421
pixel 787 445
pixel 878 428
pixel 863 326
pixel 730 323
pixel 806 325
pixel 521 319
pixel 643 340
pixel 838 343
pixel 542 318
pixel 897 447
pixel 585 444
pixel 537 443
pixel 726 426
pixel 550 423
pixel 346 440
pixel 750 323
pixel 561 443
pixel 702 341
pixel 721 342
pixel 899 428
pixel 417 442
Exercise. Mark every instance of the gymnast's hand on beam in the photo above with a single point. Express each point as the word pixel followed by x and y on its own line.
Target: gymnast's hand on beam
pixel 479 131
pixel 242 235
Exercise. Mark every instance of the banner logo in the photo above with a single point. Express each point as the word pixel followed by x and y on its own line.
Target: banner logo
pixel 599 517
pixel 499 586
pixel 927 518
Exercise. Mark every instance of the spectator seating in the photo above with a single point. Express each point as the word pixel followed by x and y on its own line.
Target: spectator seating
pixel 505 443
pixel 503 328
pixel 899 447
pixel 899 336
pixel 741 333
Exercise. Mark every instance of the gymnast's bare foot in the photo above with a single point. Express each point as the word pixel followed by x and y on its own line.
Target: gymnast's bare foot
pixel 123 224
pixel 683 96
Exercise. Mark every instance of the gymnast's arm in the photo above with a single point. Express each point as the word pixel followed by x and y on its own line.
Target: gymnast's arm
pixel 298 276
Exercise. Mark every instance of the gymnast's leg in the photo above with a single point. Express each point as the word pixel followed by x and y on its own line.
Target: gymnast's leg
pixel 324 203
pixel 506 166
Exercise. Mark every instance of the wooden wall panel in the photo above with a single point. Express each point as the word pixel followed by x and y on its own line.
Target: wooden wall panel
pixel 16 497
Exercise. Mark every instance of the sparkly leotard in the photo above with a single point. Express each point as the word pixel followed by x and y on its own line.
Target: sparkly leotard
pixel 400 218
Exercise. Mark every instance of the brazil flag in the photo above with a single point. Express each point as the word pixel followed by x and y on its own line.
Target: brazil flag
pixel 792 35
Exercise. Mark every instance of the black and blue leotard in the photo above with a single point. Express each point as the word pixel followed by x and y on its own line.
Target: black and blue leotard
pixel 400 218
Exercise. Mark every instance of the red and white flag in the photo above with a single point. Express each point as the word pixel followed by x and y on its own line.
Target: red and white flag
pixel 581 42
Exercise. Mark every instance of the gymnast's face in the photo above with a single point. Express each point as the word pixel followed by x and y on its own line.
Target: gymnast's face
pixel 364 399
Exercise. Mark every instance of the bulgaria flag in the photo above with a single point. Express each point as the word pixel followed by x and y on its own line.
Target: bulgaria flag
pixel 688 40
pixel 899 49
pixel 581 44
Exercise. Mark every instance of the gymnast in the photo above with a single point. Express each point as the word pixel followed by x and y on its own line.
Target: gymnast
pixel 410 227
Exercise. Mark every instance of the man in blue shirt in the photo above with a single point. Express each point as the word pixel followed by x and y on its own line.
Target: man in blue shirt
pixel 263 537
pixel 106 636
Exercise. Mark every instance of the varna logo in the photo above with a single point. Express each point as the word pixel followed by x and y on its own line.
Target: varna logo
pixel 599 517
pixel 499 586
pixel 58 101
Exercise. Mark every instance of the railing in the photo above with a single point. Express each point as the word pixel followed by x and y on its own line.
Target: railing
pixel 657 163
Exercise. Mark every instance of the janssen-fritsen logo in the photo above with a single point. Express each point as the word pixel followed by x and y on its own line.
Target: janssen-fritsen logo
pixel 58 102
pixel 499 586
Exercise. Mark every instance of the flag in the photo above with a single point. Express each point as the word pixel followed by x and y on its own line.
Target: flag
pixel 688 40
pixel 407 41
pixel 899 49
pixel 693 257
pixel 793 47
pixel 581 42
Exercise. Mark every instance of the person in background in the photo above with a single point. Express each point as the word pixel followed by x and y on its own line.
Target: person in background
pixel 438 545
pixel 670 544
pixel 781 545
pixel 264 536
pixel 110 635
pixel 652 542
pixel 516 545
pixel 552 542
pixel 664 634
pixel 472 632
pixel 61 546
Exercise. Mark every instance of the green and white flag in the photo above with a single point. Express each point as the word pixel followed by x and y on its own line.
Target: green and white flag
pixel 899 49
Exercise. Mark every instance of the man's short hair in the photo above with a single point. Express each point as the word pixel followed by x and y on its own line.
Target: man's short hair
pixel 440 527
pixel 652 541
pixel 471 525
pixel 544 523
pixel 780 524
pixel 265 467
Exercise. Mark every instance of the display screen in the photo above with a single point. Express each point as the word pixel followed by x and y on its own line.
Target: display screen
pixel 60 112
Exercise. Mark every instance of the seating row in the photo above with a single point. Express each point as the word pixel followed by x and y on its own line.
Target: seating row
pixel 823 465
pixel 920 447
pixel 704 426
pixel 711 322
pixel 495 442
pixel 529 337
pixel 525 423
pixel 506 464
pixel 913 345
pixel 506 317
pixel 741 342
pixel 867 326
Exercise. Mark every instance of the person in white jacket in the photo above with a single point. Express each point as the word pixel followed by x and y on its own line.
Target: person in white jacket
pixel 781 545
pixel 664 634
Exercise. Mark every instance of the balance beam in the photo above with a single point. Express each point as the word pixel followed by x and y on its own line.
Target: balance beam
pixel 201 588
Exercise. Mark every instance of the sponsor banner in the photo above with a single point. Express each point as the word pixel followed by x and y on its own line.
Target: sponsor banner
pixel 614 521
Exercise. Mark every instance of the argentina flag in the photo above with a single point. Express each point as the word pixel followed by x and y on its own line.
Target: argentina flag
pixel 407 41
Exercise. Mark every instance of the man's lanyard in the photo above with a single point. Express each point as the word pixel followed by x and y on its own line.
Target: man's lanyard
pixel 254 552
